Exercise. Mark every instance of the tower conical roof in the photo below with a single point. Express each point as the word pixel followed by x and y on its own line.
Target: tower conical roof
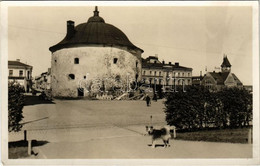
pixel 225 62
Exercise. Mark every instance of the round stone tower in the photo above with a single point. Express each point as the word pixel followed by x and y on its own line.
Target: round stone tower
pixel 94 57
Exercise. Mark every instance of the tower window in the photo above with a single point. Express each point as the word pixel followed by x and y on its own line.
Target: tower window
pixel 115 60
pixel 136 64
pixel 76 60
pixel 71 76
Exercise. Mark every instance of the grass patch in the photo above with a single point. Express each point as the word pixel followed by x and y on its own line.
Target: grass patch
pixel 239 135
pixel 19 149
pixel 17 152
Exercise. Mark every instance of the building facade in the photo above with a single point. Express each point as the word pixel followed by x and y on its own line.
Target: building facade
pixel 21 73
pixel 155 72
pixel 216 81
pixel 43 82
pixel 93 56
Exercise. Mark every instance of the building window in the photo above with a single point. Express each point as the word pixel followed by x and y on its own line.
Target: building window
pixel 182 74
pixel 85 77
pixel 115 60
pixel 178 74
pixel 188 74
pixel 155 73
pixel 150 72
pixel 20 73
pixel 136 64
pixel 28 75
pixel 76 60
pixel 11 72
pixel 71 76
pixel 144 72
pixel 55 60
pixel 159 73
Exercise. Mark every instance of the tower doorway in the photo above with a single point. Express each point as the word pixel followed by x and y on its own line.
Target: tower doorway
pixel 80 92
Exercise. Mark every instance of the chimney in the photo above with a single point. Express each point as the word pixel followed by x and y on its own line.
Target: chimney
pixel 170 63
pixel 163 62
pixel 18 60
pixel 70 29
pixel 177 64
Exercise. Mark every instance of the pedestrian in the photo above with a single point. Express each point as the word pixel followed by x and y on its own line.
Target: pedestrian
pixel 148 100
pixel 155 97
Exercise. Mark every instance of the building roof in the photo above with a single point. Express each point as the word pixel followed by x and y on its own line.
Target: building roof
pixel 219 77
pixel 95 31
pixel 236 79
pixel 17 63
pixel 161 65
pixel 225 62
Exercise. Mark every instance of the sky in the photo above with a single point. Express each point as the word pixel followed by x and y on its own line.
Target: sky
pixel 194 36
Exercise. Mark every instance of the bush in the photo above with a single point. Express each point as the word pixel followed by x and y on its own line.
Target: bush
pixel 198 108
pixel 15 106
pixel 237 104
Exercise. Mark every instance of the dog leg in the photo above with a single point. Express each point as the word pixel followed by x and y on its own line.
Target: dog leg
pixel 165 143
pixel 153 143
pixel 168 143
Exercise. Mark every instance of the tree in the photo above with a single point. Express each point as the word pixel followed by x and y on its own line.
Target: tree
pixel 15 106
pixel 199 108
pixel 186 109
pixel 237 103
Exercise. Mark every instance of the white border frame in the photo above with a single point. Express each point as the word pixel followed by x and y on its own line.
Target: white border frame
pixel 4 94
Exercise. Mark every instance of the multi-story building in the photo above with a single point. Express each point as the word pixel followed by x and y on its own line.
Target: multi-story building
pixel 43 82
pixel 215 81
pixel 155 72
pixel 21 73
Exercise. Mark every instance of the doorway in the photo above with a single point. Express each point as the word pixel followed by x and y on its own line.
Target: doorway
pixel 80 92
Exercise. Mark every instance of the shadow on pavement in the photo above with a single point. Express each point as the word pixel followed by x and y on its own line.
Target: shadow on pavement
pixel 158 145
pixel 23 143
pixel 33 100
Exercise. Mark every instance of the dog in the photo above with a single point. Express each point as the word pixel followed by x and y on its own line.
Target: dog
pixel 163 133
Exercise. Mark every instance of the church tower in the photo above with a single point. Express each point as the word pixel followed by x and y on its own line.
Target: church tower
pixel 225 66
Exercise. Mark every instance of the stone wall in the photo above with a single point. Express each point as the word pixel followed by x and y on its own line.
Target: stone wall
pixel 97 68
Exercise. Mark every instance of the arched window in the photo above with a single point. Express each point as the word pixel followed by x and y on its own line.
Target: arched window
pixel 71 76
pixel 76 60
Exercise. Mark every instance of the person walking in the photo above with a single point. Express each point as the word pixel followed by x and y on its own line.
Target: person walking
pixel 155 97
pixel 148 100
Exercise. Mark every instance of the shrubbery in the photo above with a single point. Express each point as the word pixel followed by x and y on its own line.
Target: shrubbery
pixel 15 106
pixel 199 108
